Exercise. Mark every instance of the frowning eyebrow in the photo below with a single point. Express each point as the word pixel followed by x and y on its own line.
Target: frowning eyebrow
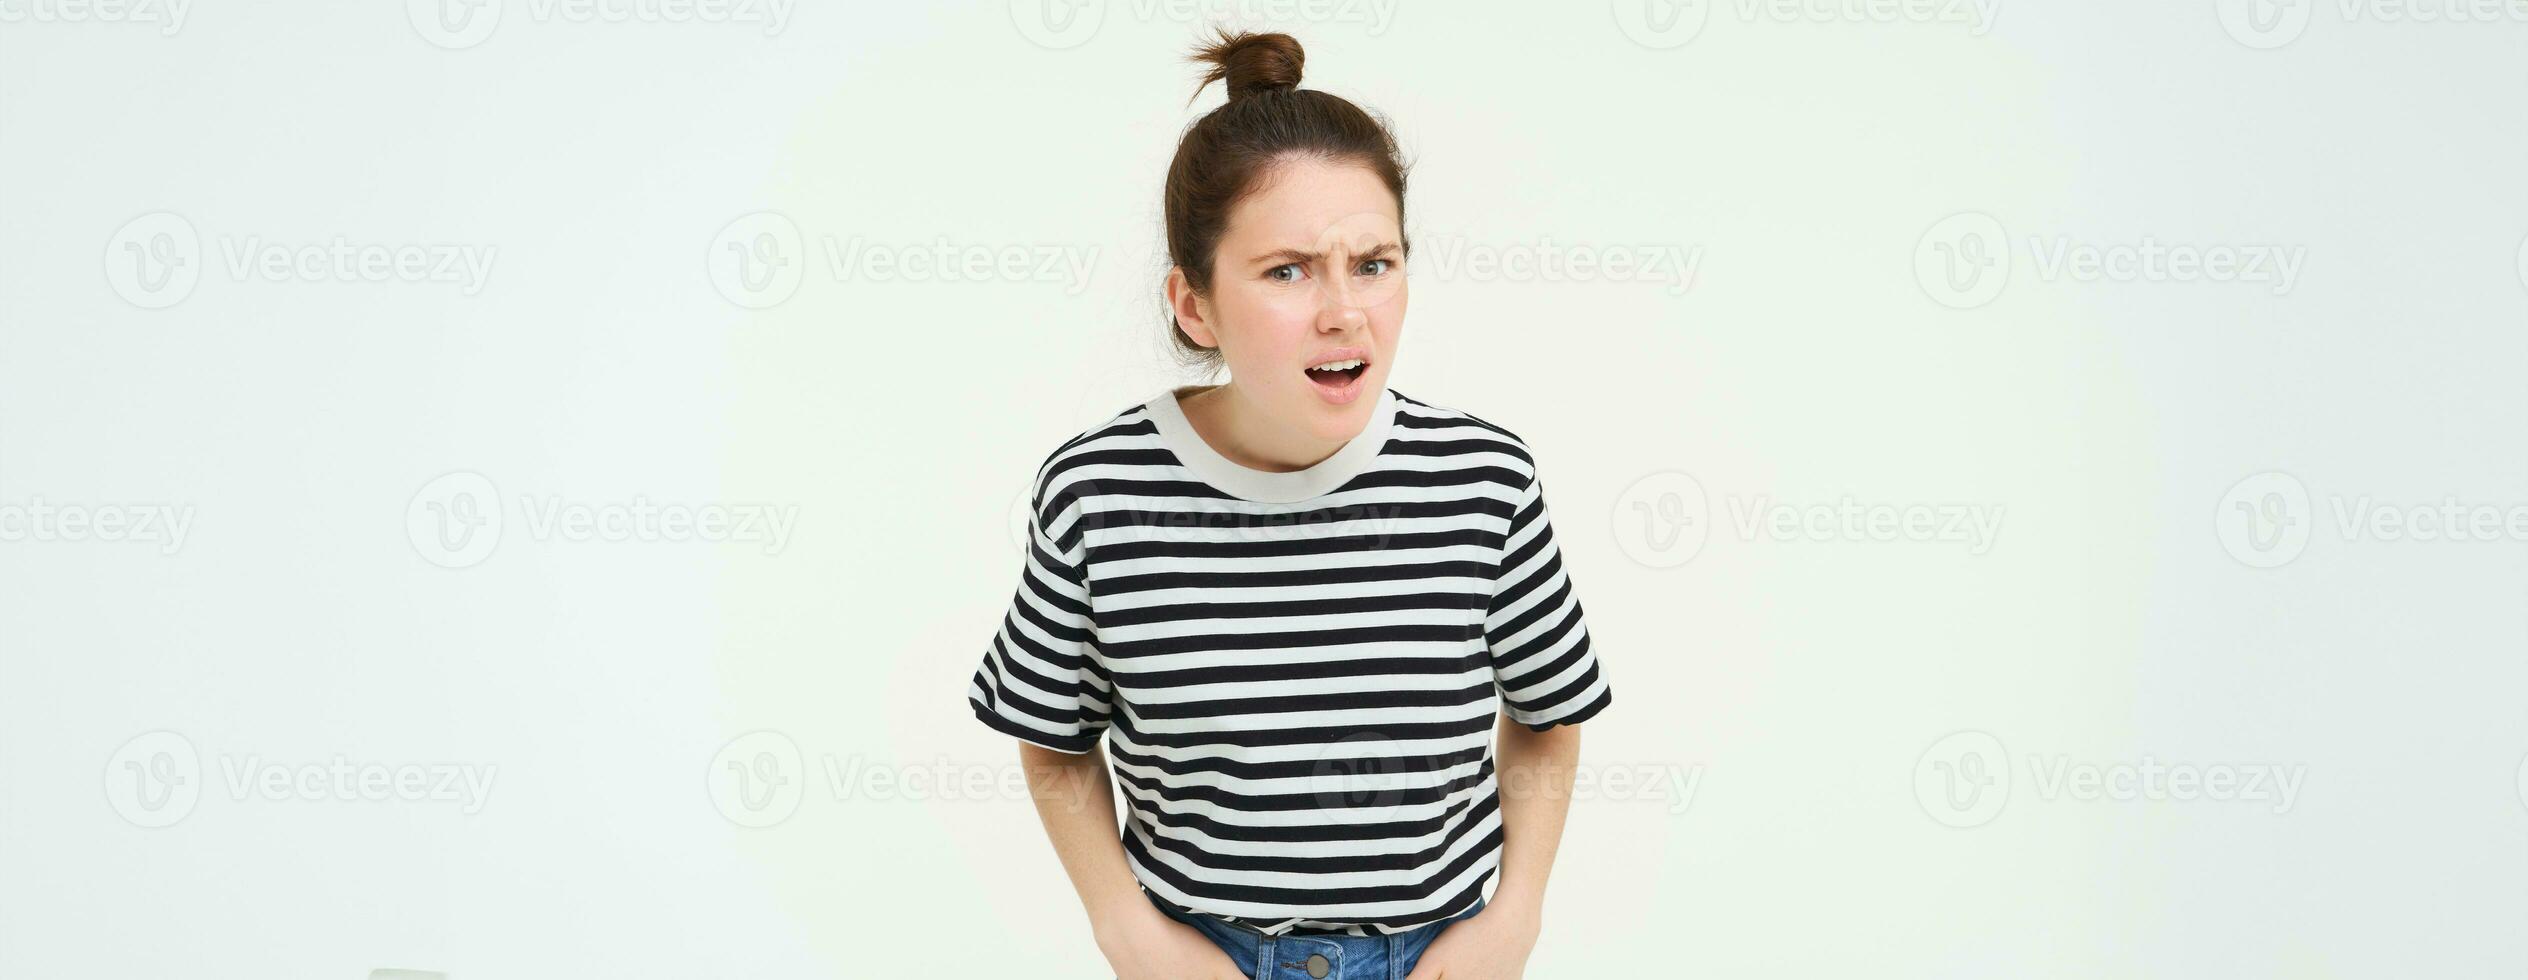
pixel 1281 256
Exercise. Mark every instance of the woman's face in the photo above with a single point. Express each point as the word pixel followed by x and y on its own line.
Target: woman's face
pixel 1310 270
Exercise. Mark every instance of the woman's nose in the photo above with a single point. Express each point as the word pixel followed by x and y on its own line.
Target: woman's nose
pixel 1341 300
pixel 1343 316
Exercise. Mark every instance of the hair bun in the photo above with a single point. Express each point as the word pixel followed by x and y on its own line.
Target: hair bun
pixel 1251 63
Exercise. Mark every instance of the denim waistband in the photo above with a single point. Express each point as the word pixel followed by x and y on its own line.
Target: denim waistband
pixel 1180 912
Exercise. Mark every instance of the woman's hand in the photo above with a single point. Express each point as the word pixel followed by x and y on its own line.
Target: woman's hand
pixel 1144 944
pixel 1490 945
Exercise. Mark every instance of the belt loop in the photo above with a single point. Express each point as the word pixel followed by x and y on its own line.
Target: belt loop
pixel 1264 964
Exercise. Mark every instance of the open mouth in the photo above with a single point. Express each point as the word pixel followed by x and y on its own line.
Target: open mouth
pixel 1338 374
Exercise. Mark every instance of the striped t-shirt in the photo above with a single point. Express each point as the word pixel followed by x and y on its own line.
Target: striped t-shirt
pixel 1297 673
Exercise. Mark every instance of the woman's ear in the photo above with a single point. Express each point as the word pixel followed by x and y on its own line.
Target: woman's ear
pixel 1193 312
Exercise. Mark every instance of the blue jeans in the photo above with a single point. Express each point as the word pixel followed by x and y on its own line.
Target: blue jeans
pixel 1302 955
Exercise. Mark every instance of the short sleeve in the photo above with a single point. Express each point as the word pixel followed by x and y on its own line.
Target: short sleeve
pixel 1541 659
pixel 1040 680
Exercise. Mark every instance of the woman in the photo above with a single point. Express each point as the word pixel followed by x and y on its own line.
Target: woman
pixel 1295 602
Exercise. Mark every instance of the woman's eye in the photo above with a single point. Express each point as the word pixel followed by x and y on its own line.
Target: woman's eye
pixel 1377 267
pixel 1275 273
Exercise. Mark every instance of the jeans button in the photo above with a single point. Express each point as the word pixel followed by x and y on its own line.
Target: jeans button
pixel 1318 966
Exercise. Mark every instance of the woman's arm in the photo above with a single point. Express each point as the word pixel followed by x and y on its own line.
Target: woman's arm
pixel 1535 773
pixel 1077 805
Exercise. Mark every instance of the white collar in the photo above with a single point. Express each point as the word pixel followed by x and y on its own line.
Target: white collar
pixel 1264 486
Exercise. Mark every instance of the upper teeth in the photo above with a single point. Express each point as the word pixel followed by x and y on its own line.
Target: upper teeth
pixel 1338 365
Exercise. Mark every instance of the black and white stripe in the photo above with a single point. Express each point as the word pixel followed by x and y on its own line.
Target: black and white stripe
pixel 1298 696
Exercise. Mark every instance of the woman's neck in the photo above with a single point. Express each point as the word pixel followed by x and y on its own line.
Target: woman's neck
pixel 1241 433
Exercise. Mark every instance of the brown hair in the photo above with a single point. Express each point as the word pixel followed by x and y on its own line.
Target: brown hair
pixel 1226 153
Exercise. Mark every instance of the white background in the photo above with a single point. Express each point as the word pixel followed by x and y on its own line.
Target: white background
pixel 2151 597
